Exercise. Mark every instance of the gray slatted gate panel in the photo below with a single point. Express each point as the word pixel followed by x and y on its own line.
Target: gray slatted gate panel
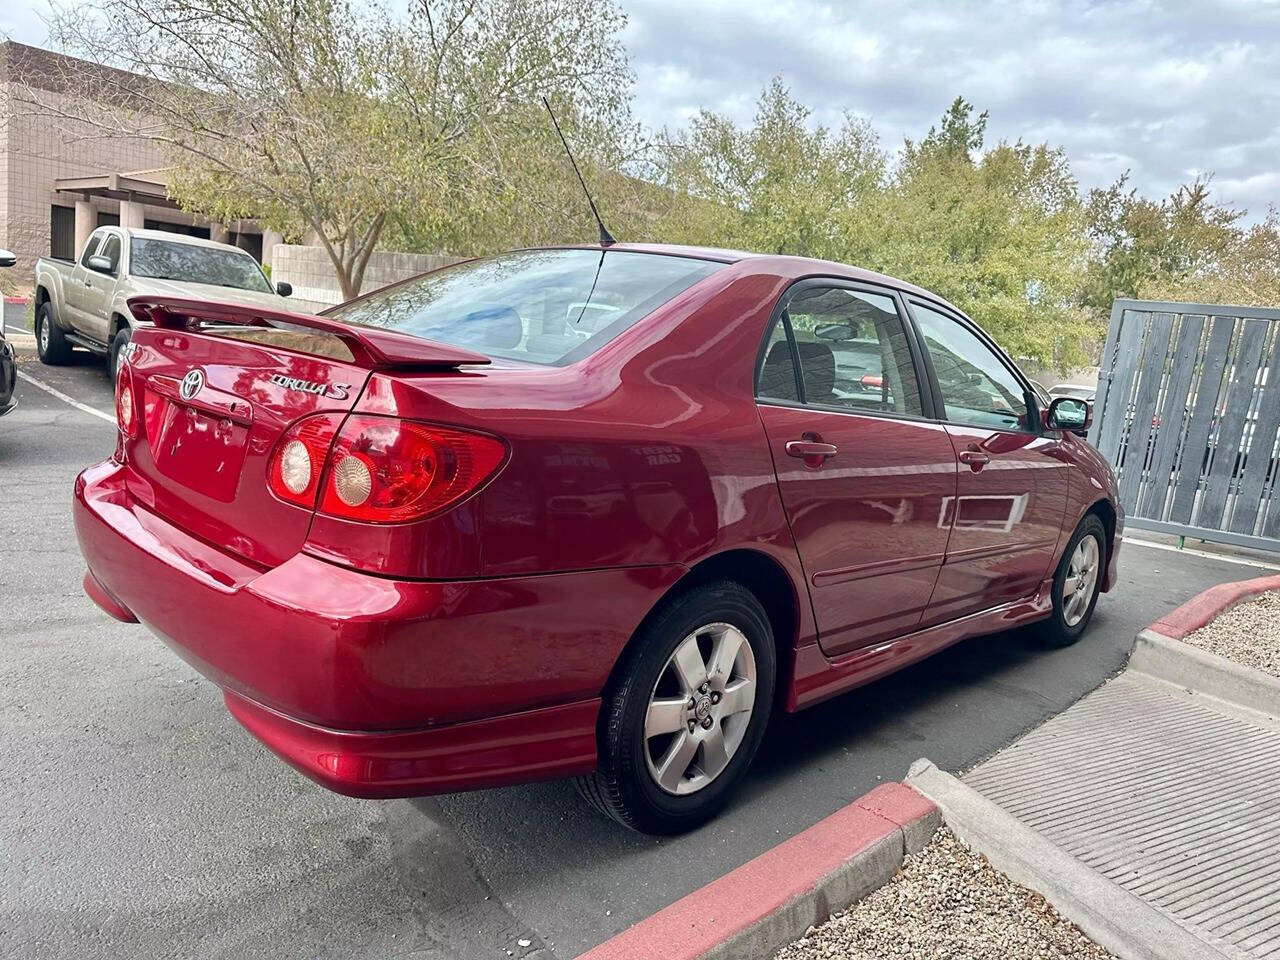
pixel 1189 404
pixel 1150 379
pixel 1234 412
pixel 1129 346
pixel 1201 422
pixel 1261 459
pixel 1173 417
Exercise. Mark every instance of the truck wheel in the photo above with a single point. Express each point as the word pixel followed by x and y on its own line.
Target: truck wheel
pixel 118 343
pixel 52 346
pixel 682 721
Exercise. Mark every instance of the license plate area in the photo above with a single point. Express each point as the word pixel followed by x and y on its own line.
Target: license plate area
pixel 201 451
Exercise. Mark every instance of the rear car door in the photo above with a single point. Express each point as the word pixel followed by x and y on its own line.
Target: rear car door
pixel 864 475
pixel 1011 494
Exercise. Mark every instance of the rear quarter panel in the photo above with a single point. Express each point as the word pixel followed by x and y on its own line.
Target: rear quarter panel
pixel 649 452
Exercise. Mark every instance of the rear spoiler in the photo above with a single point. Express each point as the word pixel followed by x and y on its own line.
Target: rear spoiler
pixel 370 346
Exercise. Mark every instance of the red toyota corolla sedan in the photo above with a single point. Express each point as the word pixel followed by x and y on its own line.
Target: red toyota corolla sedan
pixel 584 511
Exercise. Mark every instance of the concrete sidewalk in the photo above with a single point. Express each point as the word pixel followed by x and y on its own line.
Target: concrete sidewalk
pixel 1172 795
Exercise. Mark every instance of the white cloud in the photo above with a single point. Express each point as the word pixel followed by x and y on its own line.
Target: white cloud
pixel 1160 89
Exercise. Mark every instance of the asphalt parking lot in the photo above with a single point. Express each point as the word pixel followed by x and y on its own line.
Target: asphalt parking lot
pixel 139 820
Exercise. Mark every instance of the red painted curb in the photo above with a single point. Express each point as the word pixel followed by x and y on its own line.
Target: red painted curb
pixel 21 300
pixel 1200 609
pixel 709 916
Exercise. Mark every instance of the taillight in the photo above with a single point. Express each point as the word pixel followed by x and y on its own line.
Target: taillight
pixel 386 470
pixel 126 412
pixel 380 469
pixel 297 464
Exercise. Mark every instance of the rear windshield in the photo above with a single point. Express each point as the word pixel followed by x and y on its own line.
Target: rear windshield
pixel 543 306
pixel 163 260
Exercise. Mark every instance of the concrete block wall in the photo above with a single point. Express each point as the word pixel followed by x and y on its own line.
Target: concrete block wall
pixel 314 281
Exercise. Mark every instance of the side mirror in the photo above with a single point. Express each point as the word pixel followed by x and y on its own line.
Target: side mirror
pixel 284 289
pixel 1069 413
pixel 7 259
pixel 99 264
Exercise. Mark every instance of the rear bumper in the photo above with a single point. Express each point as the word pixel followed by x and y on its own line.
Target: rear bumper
pixel 372 686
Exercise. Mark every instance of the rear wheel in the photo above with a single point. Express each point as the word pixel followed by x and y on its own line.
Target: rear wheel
pixel 1077 583
pixel 52 346
pixel 685 716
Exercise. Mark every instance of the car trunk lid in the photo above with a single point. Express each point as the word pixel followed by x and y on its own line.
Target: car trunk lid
pixel 217 385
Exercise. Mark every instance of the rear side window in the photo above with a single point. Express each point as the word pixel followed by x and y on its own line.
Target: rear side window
pixel 544 306
pixel 852 352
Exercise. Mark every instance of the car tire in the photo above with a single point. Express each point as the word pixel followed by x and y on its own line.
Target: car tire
pixel 118 343
pixel 1077 583
pixel 52 346
pixel 671 781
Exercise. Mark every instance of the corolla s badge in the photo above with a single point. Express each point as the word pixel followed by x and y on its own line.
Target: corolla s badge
pixel 334 391
pixel 191 384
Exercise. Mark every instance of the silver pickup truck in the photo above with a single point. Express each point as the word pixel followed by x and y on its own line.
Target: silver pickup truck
pixel 83 303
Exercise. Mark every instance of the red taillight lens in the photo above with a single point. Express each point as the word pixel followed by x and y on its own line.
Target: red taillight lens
pixel 385 470
pixel 126 406
pixel 297 463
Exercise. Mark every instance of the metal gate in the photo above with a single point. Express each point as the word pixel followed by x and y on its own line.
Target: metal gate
pixel 1187 409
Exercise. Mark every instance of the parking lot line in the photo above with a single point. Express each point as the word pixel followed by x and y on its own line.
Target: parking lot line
pixel 85 408
pixel 1240 561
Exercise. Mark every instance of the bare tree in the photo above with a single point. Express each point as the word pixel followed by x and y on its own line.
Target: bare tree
pixel 314 116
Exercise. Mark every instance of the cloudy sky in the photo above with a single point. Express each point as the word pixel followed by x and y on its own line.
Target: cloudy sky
pixel 1163 89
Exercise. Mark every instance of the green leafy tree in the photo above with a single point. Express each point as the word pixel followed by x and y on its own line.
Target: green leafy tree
pixel 1138 243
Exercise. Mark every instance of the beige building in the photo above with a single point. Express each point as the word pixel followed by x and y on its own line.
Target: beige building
pixel 58 184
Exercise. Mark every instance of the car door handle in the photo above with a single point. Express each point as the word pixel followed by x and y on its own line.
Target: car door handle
pixel 811 450
pixel 974 458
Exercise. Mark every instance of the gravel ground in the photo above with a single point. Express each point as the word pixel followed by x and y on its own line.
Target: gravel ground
pixel 1248 633
pixel 947 903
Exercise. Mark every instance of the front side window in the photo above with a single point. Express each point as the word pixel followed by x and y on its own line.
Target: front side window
pixel 170 260
pixel 852 351
pixel 542 306
pixel 89 246
pixel 977 387
pixel 111 250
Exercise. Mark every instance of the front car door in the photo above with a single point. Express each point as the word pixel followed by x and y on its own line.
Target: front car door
pixel 864 475
pixel 76 285
pixel 1011 494
pixel 100 288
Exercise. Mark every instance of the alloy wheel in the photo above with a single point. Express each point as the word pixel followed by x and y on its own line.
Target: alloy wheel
pixel 700 708
pixel 1082 577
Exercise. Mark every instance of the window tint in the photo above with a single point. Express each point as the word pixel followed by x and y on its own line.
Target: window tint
pixel 977 388
pixel 89 246
pixel 195 264
pixel 778 371
pixel 543 306
pixel 111 250
pixel 853 351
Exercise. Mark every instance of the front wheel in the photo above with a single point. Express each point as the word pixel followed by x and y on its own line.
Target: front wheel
pixel 686 712
pixel 1077 583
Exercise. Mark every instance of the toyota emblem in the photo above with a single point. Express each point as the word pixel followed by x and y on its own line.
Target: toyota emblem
pixel 191 384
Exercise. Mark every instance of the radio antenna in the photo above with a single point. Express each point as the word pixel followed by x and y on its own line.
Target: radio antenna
pixel 606 238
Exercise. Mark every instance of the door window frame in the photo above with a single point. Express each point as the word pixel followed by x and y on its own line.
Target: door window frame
pixel 1033 427
pixel 106 238
pixel 915 348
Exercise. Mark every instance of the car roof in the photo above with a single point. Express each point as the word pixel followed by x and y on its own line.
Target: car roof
pixel 183 238
pixel 779 264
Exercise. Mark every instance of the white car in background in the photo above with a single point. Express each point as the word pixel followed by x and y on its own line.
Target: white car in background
pixel 83 303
